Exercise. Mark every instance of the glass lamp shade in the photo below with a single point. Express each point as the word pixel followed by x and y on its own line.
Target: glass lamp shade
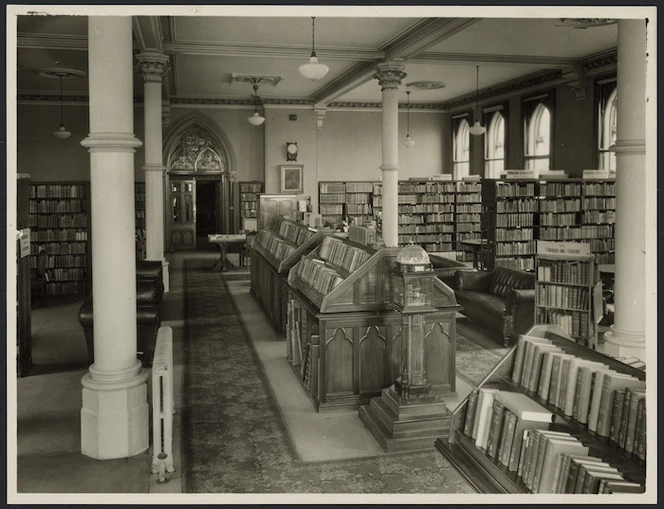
pixel 62 133
pixel 256 119
pixel 409 141
pixel 477 129
pixel 313 70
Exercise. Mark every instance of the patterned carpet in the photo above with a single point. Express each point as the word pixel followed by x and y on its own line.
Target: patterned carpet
pixel 473 362
pixel 233 438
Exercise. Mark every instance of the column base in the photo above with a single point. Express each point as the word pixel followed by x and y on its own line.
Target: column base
pixel 619 343
pixel 398 424
pixel 115 416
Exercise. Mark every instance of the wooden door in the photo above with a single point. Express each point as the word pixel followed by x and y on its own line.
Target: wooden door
pixel 183 214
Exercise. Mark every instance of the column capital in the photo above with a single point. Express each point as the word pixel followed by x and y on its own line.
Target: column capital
pixel 111 142
pixel 152 66
pixel 390 74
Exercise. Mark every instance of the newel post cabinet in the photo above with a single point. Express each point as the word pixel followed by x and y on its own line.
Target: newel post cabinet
pixel 344 339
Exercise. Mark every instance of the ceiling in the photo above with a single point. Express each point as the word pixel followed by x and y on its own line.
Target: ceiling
pixel 206 50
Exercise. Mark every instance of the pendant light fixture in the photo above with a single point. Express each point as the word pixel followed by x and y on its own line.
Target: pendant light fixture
pixel 62 132
pixel 256 119
pixel 477 129
pixel 409 141
pixel 313 70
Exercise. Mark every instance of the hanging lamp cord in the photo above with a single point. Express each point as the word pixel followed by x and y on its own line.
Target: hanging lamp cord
pixel 255 98
pixel 313 36
pixel 408 113
pixel 62 122
pixel 477 95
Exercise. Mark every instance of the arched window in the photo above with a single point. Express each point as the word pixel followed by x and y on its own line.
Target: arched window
pixel 607 122
pixel 461 160
pixel 494 146
pixel 538 138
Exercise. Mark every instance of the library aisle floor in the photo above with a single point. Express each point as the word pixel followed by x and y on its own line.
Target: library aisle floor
pixel 49 402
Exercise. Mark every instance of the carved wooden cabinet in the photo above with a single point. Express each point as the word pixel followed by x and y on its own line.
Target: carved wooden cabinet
pixel 343 338
pixel 273 253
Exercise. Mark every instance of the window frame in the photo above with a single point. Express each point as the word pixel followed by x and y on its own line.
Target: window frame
pixel 532 107
pixel 490 117
pixel 605 108
pixel 458 122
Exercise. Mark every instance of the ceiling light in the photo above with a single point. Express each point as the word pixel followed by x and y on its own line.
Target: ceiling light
pixel 256 119
pixel 477 129
pixel 313 70
pixel 60 74
pixel 409 141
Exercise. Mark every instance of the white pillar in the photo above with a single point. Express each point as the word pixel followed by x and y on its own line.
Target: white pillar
pixel 389 76
pixel 114 416
pixel 627 336
pixel 153 67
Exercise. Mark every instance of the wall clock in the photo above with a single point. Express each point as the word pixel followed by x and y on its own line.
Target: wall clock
pixel 291 151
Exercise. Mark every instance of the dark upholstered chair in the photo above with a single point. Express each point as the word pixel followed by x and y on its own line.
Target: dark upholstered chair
pixel 446 269
pixel 502 299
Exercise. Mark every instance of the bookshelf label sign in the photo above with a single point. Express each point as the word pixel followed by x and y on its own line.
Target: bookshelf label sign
pixel 24 242
pixel 521 174
pixel 595 174
pixel 545 247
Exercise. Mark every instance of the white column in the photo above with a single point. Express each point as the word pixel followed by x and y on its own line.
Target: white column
pixel 153 67
pixel 114 416
pixel 389 76
pixel 627 336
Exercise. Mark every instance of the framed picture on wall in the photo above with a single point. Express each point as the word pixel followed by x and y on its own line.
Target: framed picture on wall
pixel 292 178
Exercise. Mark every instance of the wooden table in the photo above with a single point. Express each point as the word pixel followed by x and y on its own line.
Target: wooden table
pixel 475 245
pixel 223 240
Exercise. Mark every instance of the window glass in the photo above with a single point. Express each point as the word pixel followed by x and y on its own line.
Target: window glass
pixel 607 123
pixel 462 150
pixel 494 148
pixel 538 138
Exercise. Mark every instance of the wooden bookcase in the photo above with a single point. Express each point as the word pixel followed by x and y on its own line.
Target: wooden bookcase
pixel 249 191
pixel 565 290
pixel 510 211
pixel 468 215
pixel 488 475
pixel 331 199
pixel 139 211
pixel 273 253
pixel 343 337
pixel 60 224
pixel 23 303
pixel 598 218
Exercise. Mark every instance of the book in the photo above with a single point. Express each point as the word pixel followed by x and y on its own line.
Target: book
pixel 593 413
pixel 526 441
pixel 593 477
pixel 583 392
pixel 618 427
pixel 554 447
pixel 617 486
pixel 520 352
pixel 483 412
pixel 560 477
pixel 548 362
pixel 470 412
pixel 574 365
pixel 528 358
pixel 536 368
pixel 495 426
pixel 538 439
pixel 573 470
pixel 610 384
pixel 636 396
pixel 508 439
pixel 584 468
pixel 555 382
pixel 640 444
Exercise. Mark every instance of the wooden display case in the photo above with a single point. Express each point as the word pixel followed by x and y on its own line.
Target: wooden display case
pixel 273 253
pixel 343 337
pixel 271 207
pixel 487 474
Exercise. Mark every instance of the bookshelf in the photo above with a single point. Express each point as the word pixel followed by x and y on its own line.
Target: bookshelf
pixel 468 216
pixel 139 210
pixel 598 218
pixel 249 191
pixel 273 253
pixel 510 208
pixel 343 337
pixel 566 403
pixel 566 289
pixel 331 199
pixel 59 221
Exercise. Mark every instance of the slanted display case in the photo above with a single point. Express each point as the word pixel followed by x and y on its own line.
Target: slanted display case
pixel 273 253
pixel 551 384
pixel 344 337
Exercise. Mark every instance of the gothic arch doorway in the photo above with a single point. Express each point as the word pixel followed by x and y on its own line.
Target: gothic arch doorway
pixel 200 181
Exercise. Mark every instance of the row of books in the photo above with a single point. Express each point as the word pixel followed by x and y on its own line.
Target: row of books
pixel 418 238
pixel 600 189
pixel 59 221
pixel 514 235
pixel 522 205
pixel 558 219
pixel 440 218
pixel 318 275
pixel 359 209
pixel 596 216
pixel 332 187
pixel 469 198
pixel 562 296
pixel 296 233
pixel 342 255
pixel 66 288
pixel 57 191
pixel 251 187
pixel 60 248
pixel 357 198
pixel 438 247
pixel 332 197
pixel 365 235
pixel 602 245
pixel 330 210
pixel 428 187
pixel 52 206
pixel 599 203
pixel 359 187
pixel 514 219
pixel 424 208
pixel 560 189
pixel 565 271
pixel 248 197
pixel 560 205
pixel 58 235
pixel 468 217
pixel 516 263
pixel 515 248
pixel 274 245
pixel 66 274
pixel 510 189
pixel 582 389
pixel 574 323
pixel 65 261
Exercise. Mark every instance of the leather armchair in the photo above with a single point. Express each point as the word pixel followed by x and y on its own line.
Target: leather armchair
pixel 502 299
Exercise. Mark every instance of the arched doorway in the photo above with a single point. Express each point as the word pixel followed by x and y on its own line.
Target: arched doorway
pixel 200 181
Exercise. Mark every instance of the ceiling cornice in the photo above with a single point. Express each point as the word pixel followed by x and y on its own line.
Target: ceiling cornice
pixel 477 58
pixel 426 34
pixel 598 63
pixel 51 41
